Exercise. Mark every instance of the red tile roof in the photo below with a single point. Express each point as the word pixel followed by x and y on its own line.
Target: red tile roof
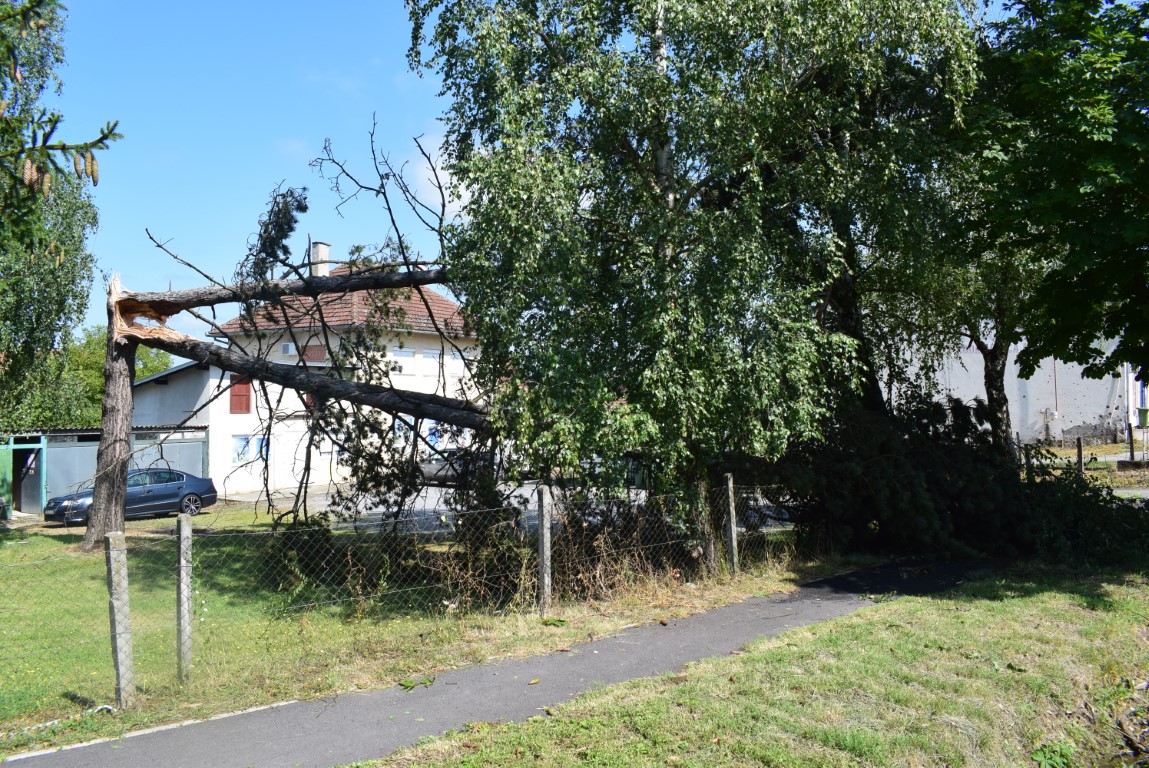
pixel 404 310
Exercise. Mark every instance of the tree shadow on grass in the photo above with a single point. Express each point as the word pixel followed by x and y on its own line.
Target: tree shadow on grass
pixel 1089 585
pixel 980 580
pixel 280 573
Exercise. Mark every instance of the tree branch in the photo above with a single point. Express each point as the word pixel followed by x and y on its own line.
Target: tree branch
pixel 160 306
pixel 449 410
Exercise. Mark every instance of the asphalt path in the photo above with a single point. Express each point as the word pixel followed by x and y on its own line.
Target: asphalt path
pixel 358 726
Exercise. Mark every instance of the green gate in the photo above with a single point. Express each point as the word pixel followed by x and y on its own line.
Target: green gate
pixel 5 480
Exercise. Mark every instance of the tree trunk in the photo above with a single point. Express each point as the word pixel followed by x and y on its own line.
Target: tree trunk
pixel 847 303
pixel 704 523
pixel 995 360
pixel 162 305
pixel 107 510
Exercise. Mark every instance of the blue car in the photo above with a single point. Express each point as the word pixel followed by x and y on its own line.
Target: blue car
pixel 150 492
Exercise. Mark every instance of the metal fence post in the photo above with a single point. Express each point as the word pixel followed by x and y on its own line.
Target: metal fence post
pixel 1129 433
pixel 545 515
pixel 731 527
pixel 184 599
pixel 1080 457
pixel 116 555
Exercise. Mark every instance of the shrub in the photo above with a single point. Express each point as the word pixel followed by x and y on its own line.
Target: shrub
pixel 928 481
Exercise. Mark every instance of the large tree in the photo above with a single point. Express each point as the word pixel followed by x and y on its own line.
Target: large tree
pixel 45 215
pixel 65 387
pixel 1072 85
pixel 668 206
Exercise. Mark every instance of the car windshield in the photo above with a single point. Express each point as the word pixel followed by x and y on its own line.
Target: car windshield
pixel 91 484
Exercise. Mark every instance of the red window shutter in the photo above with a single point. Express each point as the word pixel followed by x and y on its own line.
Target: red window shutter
pixel 240 394
pixel 315 353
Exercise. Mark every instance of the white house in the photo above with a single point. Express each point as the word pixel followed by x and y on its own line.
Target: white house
pixel 423 347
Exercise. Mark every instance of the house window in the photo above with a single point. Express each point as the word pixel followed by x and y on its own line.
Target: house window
pixel 313 404
pixel 433 356
pixel 315 353
pixel 400 353
pixel 240 394
pixel 245 448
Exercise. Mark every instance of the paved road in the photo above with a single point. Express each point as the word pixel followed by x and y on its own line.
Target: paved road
pixel 365 725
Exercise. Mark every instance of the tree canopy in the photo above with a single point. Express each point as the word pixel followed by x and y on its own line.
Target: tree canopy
pixel 1071 81
pixel 666 205
pixel 45 214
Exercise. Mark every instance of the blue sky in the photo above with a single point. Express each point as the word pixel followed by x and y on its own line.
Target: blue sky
pixel 221 102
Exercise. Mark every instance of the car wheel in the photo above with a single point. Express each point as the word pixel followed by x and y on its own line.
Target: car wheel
pixel 191 504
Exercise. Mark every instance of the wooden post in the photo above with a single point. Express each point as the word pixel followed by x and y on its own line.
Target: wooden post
pixel 184 600
pixel 1080 458
pixel 545 515
pixel 116 555
pixel 706 530
pixel 1028 462
pixel 731 527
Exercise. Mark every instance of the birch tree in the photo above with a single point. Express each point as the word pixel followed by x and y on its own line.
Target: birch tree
pixel 662 200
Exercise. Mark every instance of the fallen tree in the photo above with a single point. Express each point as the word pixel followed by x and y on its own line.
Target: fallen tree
pixel 140 318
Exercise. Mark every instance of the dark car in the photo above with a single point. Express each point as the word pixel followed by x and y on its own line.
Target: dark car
pixel 150 492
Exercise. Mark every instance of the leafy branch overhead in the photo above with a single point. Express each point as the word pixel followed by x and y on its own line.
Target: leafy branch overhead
pixel 45 210
pixel 31 152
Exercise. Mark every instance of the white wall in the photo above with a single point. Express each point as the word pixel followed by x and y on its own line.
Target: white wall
pixel 169 403
pixel 1056 402
pixel 427 365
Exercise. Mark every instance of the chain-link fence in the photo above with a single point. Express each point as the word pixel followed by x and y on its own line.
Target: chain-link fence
pixel 263 609
pixel 53 621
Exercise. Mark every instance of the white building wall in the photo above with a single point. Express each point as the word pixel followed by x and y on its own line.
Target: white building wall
pixel 1056 402
pixel 424 364
pixel 171 399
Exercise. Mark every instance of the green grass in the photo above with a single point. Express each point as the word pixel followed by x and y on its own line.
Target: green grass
pixel 1104 472
pixel 989 676
pixel 55 659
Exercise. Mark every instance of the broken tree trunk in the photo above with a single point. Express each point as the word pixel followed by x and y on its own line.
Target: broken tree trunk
pixel 124 335
pixel 107 510
pixel 158 307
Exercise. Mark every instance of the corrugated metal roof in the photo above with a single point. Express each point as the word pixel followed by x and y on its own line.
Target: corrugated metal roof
pixel 64 431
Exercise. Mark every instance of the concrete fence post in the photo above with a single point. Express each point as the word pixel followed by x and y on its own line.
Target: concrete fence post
pixel 184 599
pixel 731 527
pixel 120 617
pixel 545 516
